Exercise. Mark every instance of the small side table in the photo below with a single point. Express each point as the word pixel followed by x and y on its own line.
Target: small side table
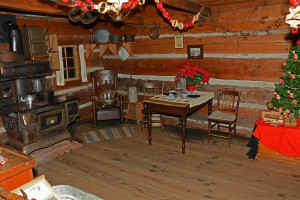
pixel 17 170
pixel 138 111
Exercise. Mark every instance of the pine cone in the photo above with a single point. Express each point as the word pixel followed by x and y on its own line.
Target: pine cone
pixel 270 105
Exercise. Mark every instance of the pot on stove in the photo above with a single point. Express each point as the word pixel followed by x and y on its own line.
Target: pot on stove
pixel 38 85
pixel 46 96
pixel 29 99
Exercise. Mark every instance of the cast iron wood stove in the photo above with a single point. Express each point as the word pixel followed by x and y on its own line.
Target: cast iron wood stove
pixel 40 124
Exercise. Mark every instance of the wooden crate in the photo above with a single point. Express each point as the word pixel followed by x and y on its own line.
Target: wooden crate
pixel 17 170
pixel 266 153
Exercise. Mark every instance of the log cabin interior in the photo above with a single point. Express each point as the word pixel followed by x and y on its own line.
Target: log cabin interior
pixel 51 51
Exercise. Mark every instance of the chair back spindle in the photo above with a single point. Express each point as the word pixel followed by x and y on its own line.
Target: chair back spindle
pixel 105 88
pixel 153 89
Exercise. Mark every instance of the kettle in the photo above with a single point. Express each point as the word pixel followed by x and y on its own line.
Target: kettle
pixel 29 99
pixel 38 85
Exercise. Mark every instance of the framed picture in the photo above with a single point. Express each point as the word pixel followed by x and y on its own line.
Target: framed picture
pixel 178 41
pixel 195 51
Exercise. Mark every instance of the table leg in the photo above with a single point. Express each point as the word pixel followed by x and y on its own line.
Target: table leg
pixel 149 125
pixel 183 132
pixel 210 106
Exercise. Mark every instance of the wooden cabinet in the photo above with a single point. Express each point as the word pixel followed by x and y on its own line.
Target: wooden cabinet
pixel 17 170
pixel 34 41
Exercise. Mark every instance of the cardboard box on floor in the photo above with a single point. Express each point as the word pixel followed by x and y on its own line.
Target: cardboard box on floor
pixel 38 188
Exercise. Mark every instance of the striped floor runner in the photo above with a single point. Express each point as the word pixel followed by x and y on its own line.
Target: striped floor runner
pixel 107 134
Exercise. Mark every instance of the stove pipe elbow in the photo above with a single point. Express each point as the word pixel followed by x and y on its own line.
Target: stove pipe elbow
pixel 14 37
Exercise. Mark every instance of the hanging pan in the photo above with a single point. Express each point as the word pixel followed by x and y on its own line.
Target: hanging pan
pixel 75 14
pixel 89 17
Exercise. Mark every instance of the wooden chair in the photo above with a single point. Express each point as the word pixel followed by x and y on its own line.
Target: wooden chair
pixel 106 102
pixel 150 90
pixel 226 114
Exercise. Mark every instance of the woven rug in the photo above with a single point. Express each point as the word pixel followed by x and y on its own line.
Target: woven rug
pixel 107 134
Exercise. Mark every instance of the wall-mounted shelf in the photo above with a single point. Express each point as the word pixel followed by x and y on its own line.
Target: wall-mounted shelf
pixel 112 47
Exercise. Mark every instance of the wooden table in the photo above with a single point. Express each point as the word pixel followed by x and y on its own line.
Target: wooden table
pixel 181 109
pixel 17 170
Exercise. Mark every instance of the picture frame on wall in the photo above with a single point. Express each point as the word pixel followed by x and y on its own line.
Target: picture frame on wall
pixel 195 51
pixel 178 41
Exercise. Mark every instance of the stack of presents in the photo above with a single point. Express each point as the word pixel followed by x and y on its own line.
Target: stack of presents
pixel 276 118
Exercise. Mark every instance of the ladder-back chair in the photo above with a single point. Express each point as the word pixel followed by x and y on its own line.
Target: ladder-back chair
pixel 106 102
pixel 226 114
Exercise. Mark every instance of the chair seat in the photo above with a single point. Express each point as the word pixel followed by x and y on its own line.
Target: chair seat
pixel 221 116
pixel 108 108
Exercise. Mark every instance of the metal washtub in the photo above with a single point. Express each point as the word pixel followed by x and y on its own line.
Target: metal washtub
pixel 67 192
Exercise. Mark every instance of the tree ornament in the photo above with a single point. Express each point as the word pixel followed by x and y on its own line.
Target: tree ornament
pixel 294 102
pixel 284 64
pixel 293 76
pixel 291 94
pixel 286 113
pixel 280 109
pixel 270 105
pixel 295 56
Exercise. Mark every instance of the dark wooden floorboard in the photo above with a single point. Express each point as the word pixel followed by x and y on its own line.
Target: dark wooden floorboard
pixel 129 168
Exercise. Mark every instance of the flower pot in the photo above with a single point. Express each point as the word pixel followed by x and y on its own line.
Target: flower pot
pixel 190 88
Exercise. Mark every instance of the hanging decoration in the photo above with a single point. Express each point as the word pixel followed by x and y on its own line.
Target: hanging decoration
pixel 204 15
pixel 293 19
pixel 207 15
pixel 115 6
pixel 174 22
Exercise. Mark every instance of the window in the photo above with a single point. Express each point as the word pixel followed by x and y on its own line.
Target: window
pixel 70 62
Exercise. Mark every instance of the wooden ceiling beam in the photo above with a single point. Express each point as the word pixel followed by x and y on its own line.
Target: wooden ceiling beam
pixel 35 6
pixel 136 19
pixel 186 5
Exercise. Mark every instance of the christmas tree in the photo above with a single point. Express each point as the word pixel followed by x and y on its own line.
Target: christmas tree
pixel 287 93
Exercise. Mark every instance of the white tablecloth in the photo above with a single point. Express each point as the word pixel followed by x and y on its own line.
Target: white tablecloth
pixel 204 97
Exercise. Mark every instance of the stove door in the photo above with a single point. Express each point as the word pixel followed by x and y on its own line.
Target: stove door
pixel 51 121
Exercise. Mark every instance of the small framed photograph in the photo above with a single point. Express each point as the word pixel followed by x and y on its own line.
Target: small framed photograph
pixel 178 41
pixel 195 51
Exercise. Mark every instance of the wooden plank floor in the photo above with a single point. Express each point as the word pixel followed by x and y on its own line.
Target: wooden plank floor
pixel 129 168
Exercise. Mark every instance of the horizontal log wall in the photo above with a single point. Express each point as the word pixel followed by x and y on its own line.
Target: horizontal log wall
pixel 249 64
pixel 234 60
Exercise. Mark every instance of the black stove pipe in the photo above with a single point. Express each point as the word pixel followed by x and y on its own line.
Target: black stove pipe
pixel 14 38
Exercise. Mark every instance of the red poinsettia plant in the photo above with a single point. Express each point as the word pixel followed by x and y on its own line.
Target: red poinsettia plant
pixel 194 74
